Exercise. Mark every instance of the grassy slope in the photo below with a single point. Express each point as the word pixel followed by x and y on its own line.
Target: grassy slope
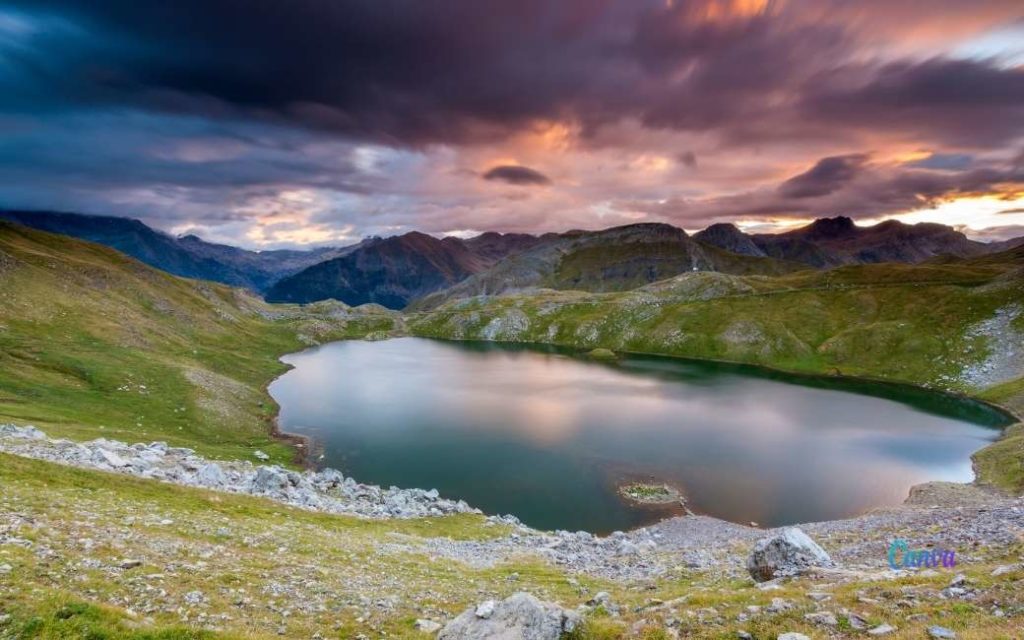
pixel 93 343
pixel 894 322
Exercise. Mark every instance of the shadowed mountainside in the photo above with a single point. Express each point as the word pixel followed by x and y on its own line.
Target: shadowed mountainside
pixel 188 256
pixel 615 259
pixel 830 242
pixel 396 270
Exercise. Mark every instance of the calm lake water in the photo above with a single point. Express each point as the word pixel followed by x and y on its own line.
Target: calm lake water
pixel 549 437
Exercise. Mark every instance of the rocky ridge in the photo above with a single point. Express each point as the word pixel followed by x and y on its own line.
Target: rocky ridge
pixel 326 490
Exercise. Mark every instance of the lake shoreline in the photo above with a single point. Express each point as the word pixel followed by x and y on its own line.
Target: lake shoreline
pixel 306 457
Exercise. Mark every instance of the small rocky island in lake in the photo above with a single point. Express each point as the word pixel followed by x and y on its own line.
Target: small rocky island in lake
pixel 651 493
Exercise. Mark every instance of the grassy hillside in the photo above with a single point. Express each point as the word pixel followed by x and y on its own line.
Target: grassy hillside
pixel 93 343
pixel 898 322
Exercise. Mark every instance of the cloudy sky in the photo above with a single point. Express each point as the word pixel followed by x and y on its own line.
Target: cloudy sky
pixel 271 123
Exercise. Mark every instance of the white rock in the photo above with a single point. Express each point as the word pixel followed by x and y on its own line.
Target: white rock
pixel 427 626
pixel 788 553
pixel 882 630
pixel 518 617
pixel 211 475
pixel 112 458
pixel 1004 569
pixel 824 618
pixel 485 609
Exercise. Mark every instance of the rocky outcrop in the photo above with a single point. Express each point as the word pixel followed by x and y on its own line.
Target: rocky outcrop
pixel 787 553
pixel 327 490
pixel 725 235
pixel 518 617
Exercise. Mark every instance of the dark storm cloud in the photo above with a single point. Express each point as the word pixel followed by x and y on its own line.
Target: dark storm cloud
pixel 199 108
pixel 409 72
pixel 517 175
pixel 961 102
pixel 825 177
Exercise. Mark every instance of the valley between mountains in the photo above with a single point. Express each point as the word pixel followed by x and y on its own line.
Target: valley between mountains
pixel 95 344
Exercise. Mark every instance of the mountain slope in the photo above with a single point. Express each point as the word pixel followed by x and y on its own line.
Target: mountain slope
pixel 395 270
pixel 93 343
pixel 957 325
pixel 727 236
pixel 615 259
pixel 888 241
pixel 189 256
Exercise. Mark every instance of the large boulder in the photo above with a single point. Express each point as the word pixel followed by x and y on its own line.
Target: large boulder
pixel 211 475
pixel 518 617
pixel 269 480
pixel 787 553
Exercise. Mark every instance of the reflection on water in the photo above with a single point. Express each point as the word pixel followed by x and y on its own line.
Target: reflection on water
pixel 548 437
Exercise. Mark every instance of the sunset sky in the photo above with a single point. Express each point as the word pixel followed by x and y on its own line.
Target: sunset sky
pixel 270 123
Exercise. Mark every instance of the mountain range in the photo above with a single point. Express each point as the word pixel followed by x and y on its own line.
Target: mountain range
pixel 187 256
pixel 397 270
pixel 831 242
pixel 423 271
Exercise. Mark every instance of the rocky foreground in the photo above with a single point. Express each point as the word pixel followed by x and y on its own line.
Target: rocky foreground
pixel 845 586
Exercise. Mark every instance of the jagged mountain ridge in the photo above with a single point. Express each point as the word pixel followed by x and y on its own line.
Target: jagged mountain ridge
pixel 423 270
pixel 615 259
pixel 831 242
pixel 397 270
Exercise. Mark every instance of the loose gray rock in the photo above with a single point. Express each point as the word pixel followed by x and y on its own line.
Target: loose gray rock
pixel 111 458
pixel 882 630
pixel 792 636
pixel 941 633
pixel 788 553
pixel 824 618
pixel 211 475
pixel 485 609
pixel 518 617
pixel 427 626
pixel 327 490
pixel 1002 570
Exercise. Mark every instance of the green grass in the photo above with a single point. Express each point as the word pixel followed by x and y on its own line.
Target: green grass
pixel 893 322
pixel 93 343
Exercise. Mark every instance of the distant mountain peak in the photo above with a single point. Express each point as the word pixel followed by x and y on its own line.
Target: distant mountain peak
pixel 837 227
pixel 726 235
